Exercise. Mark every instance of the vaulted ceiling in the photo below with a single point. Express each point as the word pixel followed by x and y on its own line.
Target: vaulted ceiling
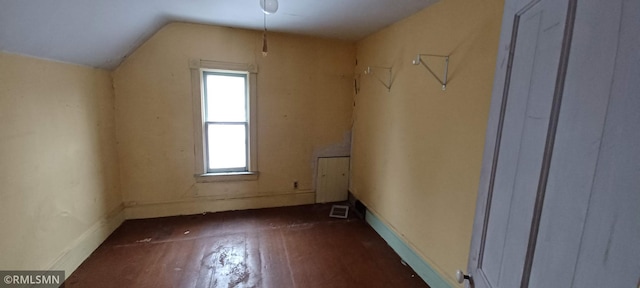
pixel 100 33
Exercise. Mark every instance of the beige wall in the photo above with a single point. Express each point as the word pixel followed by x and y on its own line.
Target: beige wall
pixel 417 150
pixel 305 94
pixel 59 194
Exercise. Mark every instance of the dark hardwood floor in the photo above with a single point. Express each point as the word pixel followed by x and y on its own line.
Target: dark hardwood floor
pixel 278 247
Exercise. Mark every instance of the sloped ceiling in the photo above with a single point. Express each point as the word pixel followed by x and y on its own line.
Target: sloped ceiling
pixel 100 33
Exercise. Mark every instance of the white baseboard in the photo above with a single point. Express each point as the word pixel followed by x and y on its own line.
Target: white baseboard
pixel 207 204
pixel 72 256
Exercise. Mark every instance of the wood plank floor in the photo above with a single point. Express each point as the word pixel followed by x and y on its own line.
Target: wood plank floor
pixel 278 247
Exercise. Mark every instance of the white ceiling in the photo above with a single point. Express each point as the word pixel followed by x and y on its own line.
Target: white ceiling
pixel 100 33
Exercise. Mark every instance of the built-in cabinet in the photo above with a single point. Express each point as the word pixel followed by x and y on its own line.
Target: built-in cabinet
pixel 332 179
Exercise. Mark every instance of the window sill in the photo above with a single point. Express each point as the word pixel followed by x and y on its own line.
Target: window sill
pixel 225 177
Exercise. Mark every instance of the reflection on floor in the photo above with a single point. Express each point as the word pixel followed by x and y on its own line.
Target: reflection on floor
pixel 278 247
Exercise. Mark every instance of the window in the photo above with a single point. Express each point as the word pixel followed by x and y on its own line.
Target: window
pixel 226 125
pixel 224 94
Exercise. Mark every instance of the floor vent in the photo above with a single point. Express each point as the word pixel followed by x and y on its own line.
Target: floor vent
pixel 339 211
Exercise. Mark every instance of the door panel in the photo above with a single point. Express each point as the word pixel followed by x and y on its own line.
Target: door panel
pixel 504 179
pixel 609 253
pixel 577 144
pixel 559 195
pixel 517 163
pixel 533 141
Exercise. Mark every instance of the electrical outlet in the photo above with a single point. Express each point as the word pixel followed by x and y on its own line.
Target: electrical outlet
pixel 295 184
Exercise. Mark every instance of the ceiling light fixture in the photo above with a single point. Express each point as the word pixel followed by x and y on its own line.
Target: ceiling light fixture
pixel 268 7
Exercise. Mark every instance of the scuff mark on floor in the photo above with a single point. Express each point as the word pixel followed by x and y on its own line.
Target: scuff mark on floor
pixel 228 265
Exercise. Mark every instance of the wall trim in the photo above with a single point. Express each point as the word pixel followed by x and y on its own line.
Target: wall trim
pixel 215 204
pixel 406 252
pixel 80 249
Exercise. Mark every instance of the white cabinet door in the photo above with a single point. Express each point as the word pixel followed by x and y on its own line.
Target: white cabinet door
pixel 332 179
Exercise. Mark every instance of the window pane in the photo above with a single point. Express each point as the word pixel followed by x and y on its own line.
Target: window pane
pixel 225 97
pixel 227 146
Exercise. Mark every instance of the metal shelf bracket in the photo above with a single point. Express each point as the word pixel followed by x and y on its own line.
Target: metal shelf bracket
pixel 370 71
pixel 418 60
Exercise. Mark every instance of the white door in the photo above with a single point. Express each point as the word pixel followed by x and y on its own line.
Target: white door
pixel 559 198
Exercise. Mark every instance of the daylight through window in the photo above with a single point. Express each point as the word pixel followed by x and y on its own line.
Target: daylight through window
pixel 226 121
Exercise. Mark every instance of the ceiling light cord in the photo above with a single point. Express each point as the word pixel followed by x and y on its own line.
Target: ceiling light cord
pixel 265 48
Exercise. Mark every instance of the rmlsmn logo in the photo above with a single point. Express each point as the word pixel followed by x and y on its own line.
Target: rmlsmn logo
pixel 33 278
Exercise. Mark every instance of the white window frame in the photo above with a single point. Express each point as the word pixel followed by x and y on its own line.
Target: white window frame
pixel 198 67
